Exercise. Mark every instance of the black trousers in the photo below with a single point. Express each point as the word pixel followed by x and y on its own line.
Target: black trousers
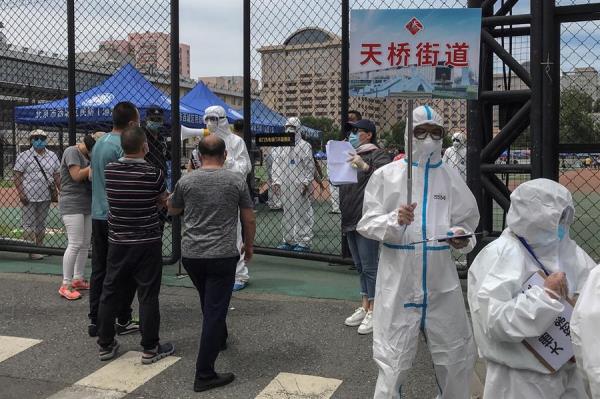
pixel 99 254
pixel 143 264
pixel 213 279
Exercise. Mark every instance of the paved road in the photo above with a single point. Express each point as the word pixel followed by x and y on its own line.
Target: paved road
pixel 270 334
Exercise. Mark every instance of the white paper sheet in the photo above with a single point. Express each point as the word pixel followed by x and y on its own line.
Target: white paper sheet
pixel 553 348
pixel 340 171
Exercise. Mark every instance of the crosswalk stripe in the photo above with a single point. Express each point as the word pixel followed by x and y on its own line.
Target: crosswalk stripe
pixel 117 379
pixel 10 346
pixel 298 386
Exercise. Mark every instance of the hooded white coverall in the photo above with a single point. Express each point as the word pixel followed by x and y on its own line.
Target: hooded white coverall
pixel 503 316
pixel 456 156
pixel 237 161
pixel 585 325
pixel 417 286
pixel 293 170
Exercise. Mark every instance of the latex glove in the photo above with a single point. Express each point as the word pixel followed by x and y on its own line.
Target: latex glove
pixel 357 162
pixel 406 214
pixel 556 285
pixel 276 189
pixel 304 190
pixel 458 243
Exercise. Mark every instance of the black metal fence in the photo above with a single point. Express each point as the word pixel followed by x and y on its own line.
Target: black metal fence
pixel 51 51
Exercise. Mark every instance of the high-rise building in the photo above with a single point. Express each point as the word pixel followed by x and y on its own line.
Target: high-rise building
pixel 149 52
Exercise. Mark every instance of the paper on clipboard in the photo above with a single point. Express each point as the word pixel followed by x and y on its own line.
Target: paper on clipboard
pixel 339 170
pixel 553 348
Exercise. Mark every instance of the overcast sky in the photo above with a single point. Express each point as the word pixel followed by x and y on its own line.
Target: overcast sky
pixel 214 30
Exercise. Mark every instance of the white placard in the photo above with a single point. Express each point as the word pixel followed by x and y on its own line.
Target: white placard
pixel 553 348
pixel 339 169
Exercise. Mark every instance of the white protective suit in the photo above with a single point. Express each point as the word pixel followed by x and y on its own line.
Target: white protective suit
pixel 293 169
pixel 237 161
pixel 417 286
pixel 456 156
pixel 585 324
pixel 503 316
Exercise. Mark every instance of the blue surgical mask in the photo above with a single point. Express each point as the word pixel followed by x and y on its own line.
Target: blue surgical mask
pixel 153 126
pixel 562 231
pixel 354 140
pixel 39 144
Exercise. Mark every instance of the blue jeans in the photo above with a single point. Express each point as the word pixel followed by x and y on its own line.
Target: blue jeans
pixel 365 254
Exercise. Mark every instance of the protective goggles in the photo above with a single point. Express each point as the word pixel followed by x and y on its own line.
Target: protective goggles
pixel 435 132
pixel 456 140
pixel 38 137
pixel 213 118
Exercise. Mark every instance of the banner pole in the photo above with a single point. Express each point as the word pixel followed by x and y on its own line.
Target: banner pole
pixel 409 152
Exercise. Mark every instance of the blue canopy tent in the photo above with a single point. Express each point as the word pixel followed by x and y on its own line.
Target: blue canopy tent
pixel 94 106
pixel 266 121
pixel 200 98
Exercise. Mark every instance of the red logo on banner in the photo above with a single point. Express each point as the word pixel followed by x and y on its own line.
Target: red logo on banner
pixel 414 26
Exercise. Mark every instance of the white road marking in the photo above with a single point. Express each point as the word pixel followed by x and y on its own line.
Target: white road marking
pixel 10 346
pixel 298 386
pixel 116 379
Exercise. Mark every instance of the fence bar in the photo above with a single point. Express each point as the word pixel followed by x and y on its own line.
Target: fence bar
pixel 175 125
pixel 513 64
pixel 308 256
pixel 550 92
pixel 506 7
pixel 506 20
pixel 71 72
pixel 536 89
pixel 508 96
pixel 345 66
pixel 475 130
pixel 247 80
pixel 511 32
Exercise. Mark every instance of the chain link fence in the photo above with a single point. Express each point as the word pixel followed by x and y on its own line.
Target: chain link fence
pixel 122 53
pixel 579 124
pixel 296 62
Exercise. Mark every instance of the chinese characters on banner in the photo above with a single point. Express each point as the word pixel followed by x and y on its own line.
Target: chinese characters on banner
pixel 553 348
pixel 399 54
pixel 415 51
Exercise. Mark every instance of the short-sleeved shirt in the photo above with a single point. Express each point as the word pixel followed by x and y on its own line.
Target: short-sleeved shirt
pixel 75 197
pixel 107 149
pixel 211 199
pixel 35 186
pixel 133 188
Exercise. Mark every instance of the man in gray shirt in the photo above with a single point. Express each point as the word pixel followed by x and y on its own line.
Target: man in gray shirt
pixel 209 199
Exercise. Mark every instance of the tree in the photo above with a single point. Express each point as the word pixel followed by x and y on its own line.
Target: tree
pixel 576 122
pixel 330 129
pixel 395 136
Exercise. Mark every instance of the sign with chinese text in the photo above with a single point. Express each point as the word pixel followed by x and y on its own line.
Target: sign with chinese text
pixel 553 348
pixel 275 140
pixel 398 53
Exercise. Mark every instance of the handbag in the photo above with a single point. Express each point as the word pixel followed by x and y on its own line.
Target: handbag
pixel 51 186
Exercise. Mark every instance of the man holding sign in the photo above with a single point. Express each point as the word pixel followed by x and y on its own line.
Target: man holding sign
pixel 417 288
pixel 519 291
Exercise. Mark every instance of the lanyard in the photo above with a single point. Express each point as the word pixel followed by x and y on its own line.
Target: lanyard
pixel 530 250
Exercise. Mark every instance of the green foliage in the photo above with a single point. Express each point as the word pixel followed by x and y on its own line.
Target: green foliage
pixel 393 137
pixel 576 122
pixel 330 129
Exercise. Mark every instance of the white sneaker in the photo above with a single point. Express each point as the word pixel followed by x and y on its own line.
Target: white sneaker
pixel 356 318
pixel 366 327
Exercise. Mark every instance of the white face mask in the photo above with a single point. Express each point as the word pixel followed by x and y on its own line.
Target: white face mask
pixel 425 147
pixel 212 126
pixel 456 144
